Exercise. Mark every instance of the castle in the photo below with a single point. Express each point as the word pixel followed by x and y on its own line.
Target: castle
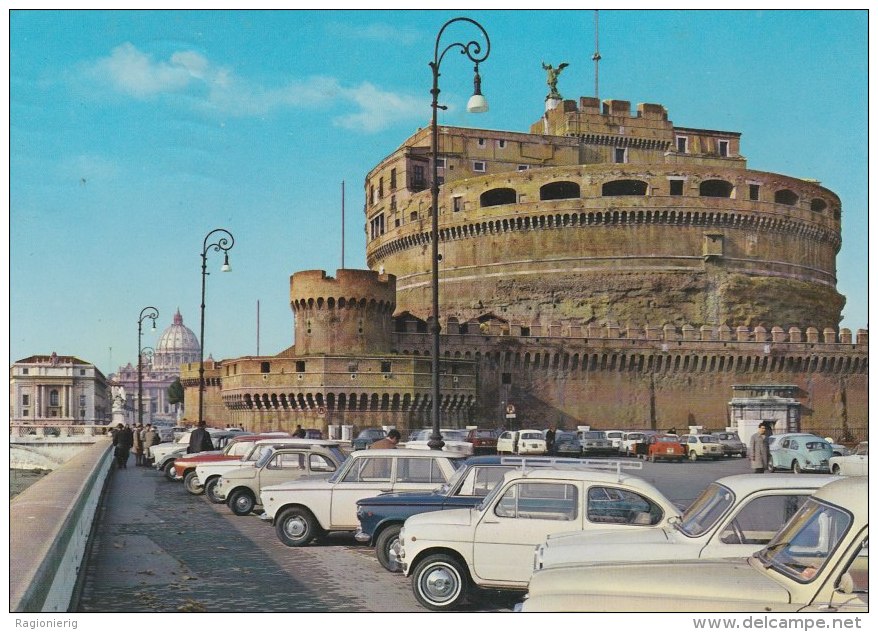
pixel 606 268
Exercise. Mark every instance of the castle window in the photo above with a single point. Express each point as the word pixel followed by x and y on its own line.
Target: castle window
pixel 623 187
pixel 675 187
pixel 620 155
pixel 53 398
pixel 818 205
pixel 523 167
pixel 82 371
pixel 371 194
pixel 501 144
pixel 683 144
pixel 25 400
pixel 715 188
pixel 418 180
pixel 785 196
pixel 393 179
pixel 380 187
pixel 386 366
pixel 265 367
pixel 24 413
pixel 376 225
pixel 24 371
pixel 754 192
pixel 392 202
pixel 82 400
pixel 300 366
pixel 413 216
pixel 525 331
pixel 496 197
pixel 559 191
pixel 457 203
pixel 479 166
pixel 723 148
pixel 440 163
pixel 506 378
pixel 482 142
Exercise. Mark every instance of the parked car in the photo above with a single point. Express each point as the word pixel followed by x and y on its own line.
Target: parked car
pixel 367 437
pixel 207 474
pixel 596 443
pixel 450 554
pixel 237 447
pixel 381 517
pixel 484 440
pixel 701 446
pixel 799 452
pixel 304 509
pixel 454 439
pixel 164 454
pixel 628 446
pixel 242 486
pixel 521 442
pixel 664 447
pixel 855 464
pixel 733 517
pixel 818 562
pixel 731 444
pixel 567 444
pixel 615 437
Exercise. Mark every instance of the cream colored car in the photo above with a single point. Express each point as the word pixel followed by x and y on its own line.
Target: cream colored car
pixel 521 442
pixel 819 562
pixel 702 446
pixel 450 553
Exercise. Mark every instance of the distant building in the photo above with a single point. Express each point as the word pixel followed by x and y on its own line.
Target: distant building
pixel 62 390
pixel 176 345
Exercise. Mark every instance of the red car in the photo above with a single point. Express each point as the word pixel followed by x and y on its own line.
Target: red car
pixel 484 440
pixel 665 447
pixel 237 447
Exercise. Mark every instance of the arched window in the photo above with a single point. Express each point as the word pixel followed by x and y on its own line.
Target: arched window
pixel 785 196
pixel 559 191
pixel 496 197
pixel 624 187
pixel 715 188
pixel 818 205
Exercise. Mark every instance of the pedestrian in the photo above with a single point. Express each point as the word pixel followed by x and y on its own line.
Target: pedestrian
pixel 759 449
pixel 550 439
pixel 122 440
pixel 299 432
pixel 199 440
pixel 150 438
pixel 389 441
pixel 137 444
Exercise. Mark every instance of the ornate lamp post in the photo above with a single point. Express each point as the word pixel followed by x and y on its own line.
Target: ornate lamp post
pixel 146 312
pixel 477 103
pixel 224 243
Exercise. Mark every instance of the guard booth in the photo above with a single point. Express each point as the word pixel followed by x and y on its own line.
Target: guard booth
pixel 753 404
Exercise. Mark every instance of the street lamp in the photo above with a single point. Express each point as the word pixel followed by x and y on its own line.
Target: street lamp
pixel 477 103
pixel 224 243
pixel 146 312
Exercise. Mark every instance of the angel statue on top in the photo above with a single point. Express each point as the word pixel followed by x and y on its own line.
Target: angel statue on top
pixel 552 79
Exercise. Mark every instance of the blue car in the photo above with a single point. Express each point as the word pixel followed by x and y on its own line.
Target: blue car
pixel 381 517
pixel 799 452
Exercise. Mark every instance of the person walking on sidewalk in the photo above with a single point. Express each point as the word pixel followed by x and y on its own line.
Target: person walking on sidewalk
pixel 123 440
pixel 137 444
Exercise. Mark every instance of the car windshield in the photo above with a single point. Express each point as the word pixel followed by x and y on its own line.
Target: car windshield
pixel 634 436
pixel 342 470
pixel 531 435
pixel 484 434
pixel 667 439
pixel 807 541
pixel 708 439
pixel 489 499
pixel 594 434
pixel 266 456
pixel 707 509
pixel 452 483
pixel 566 437
pixel 337 452
pixel 614 435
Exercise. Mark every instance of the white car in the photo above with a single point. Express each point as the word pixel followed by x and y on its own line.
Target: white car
pixel 454 439
pixel 702 446
pixel 304 509
pixel 733 517
pixel 615 437
pixel 631 439
pixel 818 563
pixel 521 442
pixel 854 464
pixel 449 553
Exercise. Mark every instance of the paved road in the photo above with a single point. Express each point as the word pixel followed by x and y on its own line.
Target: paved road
pixel 160 549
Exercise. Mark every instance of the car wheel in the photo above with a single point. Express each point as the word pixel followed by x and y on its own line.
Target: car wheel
pixel 797 469
pixel 210 491
pixel 439 582
pixel 771 467
pixel 387 548
pixel 296 526
pixel 241 502
pixel 190 482
pixel 692 456
pixel 170 471
pixel 836 469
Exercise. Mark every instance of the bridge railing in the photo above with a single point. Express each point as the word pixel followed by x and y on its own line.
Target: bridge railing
pixel 19 431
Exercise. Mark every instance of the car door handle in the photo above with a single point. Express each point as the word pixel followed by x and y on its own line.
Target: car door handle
pixel 490 522
pixel 385 491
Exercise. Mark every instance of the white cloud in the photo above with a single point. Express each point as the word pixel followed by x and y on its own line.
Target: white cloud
pixel 133 73
pixel 377 31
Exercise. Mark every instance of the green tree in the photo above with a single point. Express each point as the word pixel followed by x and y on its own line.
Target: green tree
pixel 175 392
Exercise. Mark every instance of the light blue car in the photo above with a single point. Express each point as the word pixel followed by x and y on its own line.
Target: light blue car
pixel 799 452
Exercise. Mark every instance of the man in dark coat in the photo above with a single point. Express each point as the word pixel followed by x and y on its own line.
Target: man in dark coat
pixel 387 442
pixel 199 440
pixel 123 439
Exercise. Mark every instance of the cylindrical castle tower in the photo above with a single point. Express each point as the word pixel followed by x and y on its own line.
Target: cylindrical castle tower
pixel 350 314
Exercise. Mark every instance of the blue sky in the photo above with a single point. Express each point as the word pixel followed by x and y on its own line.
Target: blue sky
pixel 134 134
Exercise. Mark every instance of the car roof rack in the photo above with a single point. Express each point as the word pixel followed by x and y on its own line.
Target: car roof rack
pixel 582 464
